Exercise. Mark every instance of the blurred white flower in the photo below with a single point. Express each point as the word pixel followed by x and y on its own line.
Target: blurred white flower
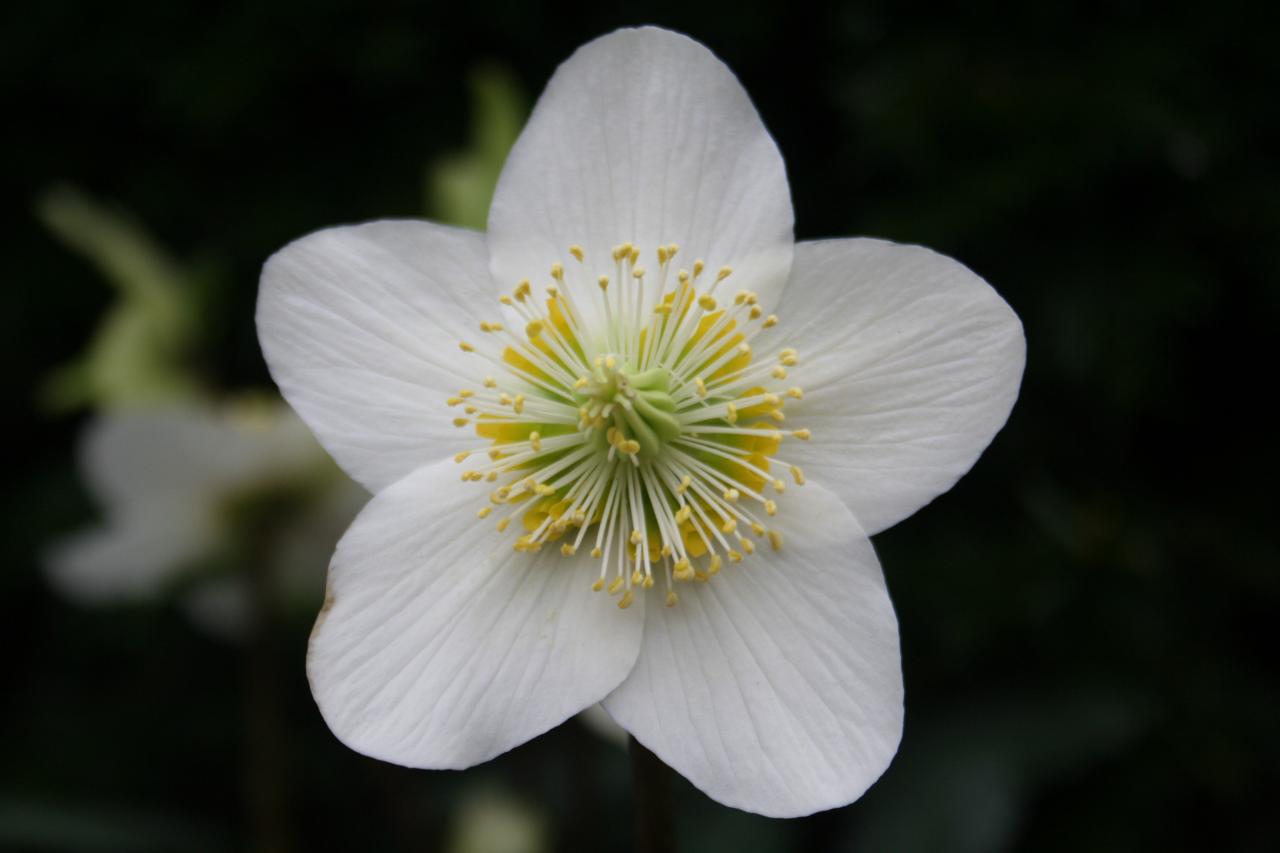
pixel 638 404
pixel 175 483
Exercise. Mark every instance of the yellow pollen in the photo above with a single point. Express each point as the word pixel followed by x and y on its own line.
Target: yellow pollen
pixel 779 372
pixel 502 524
pixel 797 474
pixel 596 552
pixel 724 273
pixel 775 540
pixel 747 545
pixel 638 272
pixel 625 601
pixel 795 393
pixel 754 313
pixel 557 271
pixel 707 301
pixel 533 329
pixel 484 511
pixel 615 585
pixel 637 577
pixel 770 508
pixel 730 525
pixel 461 422
pixel 802 434
pixel 576 251
pixel 535 439
pixel 734 557
pixel 700 386
pixel 505 300
pixel 731 495
pixel 732 416
pixel 453 401
pixel 490 382
pixel 698 267
pixel 713 566
pixel 518 404
pixel 757 528
pixel 779 486
pixel 683 514
pixel 685 482
pixel 567 549
pixel 636 537
pixel 633 255
pixel 770 321
pixel 603 281
pixel 599 584
pixel 466 347
pixel 461 457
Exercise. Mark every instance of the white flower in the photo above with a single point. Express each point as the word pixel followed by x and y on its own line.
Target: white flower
pixel 170 479
pixel 633 392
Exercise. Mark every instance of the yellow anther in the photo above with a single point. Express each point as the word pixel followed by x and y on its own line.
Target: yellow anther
pixel 465 393
pixel 672 249
pixel 598 585
pixel 557 271
pixel 470 410
pixel 662 255
pixel 552 291
pixel 637 577
pixel 634 255
pixel 610 362
pixel 453 401
pixel 731 495
pixel 701 576
pixel 504 398
pixel 770 508
pixel 466 347
pixel 740 297
pixel 461 457
pixel 789 360
pixel 672 599
pixel 802 434
pixel 683 514
pixel 685 482
pixel 724 273
pixel 779 486
pixel 625 601
pixel 567 549
pixel 518 404
pixel 713 566
pixel 544 490
pixel 732 415
pixel 682 570
pixel 734 557
pixel 603 281
pixel 777 415
pixel 707 301
pixel 744 348
pixel 754 313
pixel 484 511
pixel 700 386
pixel 615 585
pixel 770 321
pixel 757 528
pixel 461 422
pixel 502 524
pixel 663 309
pixel 779 372
pixel 730 525
pixel 787 351
pixel 683 276
pixel 576 251
pixel 665 552
pixel 490 382
pixel 698 267
pixel 797 474
pixel 630 447
pixel 492 477
pixel 582 382
pixel 636 537
pixel 505 300
pixel 637 273
pixel 535 440
pixel 752 298
pixel 775 540
pixel 796 393
pixel 533 329
pixel 596 552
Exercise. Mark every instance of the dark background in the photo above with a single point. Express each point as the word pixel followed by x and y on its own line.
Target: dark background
pixel 1084 618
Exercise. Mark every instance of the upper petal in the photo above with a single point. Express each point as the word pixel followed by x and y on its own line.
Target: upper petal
pixel 644 136
pixel 441 647
pixel 777 686
pixel 910 364
pixel 360 328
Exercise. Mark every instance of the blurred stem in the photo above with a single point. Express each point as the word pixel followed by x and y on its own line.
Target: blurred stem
pixel 266 787
pixel 655 830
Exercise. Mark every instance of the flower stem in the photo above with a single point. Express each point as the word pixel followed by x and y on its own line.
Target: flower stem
pixel 655 830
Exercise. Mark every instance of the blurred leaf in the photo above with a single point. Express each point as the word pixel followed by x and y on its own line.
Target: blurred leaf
pixel 460 185
pixel 139 350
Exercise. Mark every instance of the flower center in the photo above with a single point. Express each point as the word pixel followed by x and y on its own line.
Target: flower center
pixel 633 415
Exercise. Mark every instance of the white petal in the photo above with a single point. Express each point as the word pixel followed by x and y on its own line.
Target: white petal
pixel 189 453
pixel 910 365
pixel 360 327
pixel 441 647
pixel 133 557
pixel 776 687
pixel 644 136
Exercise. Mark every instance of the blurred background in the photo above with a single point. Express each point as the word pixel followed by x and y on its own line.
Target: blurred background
pixel 1084 618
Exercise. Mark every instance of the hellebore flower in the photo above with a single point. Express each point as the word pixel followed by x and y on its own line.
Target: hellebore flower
pixel 178 482
pixel 602 397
